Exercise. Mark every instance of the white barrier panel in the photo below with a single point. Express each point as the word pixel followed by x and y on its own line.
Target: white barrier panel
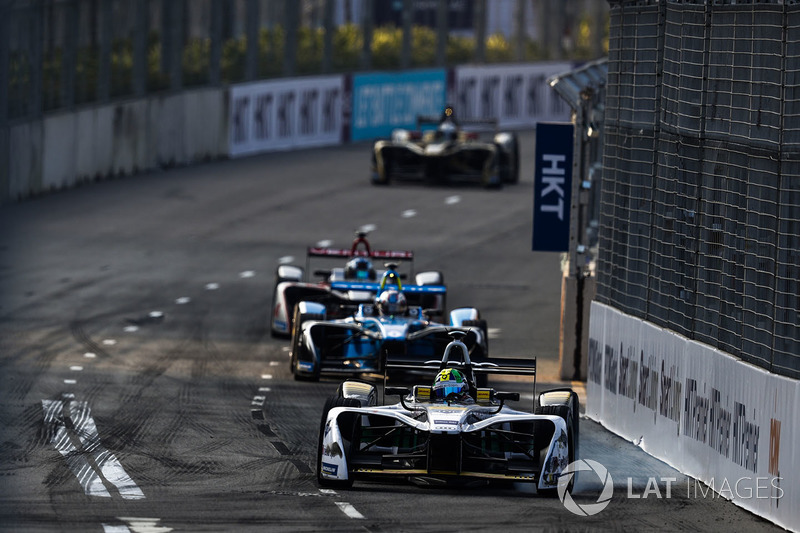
pixel 724 422
pixel 517 95
pixel 282 114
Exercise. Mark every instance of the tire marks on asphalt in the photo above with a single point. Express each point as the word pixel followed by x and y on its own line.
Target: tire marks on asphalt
pixel 75 437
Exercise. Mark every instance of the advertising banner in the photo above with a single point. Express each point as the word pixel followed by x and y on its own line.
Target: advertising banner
pixel 552 187
pixel 727 424
pixel 385 101
pixel 283 114
pixel 516 95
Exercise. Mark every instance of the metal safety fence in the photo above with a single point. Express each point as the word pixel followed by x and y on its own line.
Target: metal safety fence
pixel 58 54
pixel 700 201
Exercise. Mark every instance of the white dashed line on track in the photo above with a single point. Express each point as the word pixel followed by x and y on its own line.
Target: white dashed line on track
pixel 212 286
pixel 70 382
pixel 451 200
pixel 183 300
pixel 76 368
pixel 275 363
pixel 327 491
pixel 247 274
pixel 130 329
pixel 325 243
pixel 367 228
pixel 109 342
pixel 264 389
pixel 286 259
pixel 266 376
pixel 408 213
pixel 349 510
pixel 90 355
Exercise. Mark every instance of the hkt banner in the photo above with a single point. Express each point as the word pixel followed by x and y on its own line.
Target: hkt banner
pixel 282 114
pixel 385 101
pixel 515 95
pixel 722 421
pixel 552 187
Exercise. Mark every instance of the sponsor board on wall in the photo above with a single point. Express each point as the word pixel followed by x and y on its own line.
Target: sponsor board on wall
pixel 726 423
pixel 283 114
pixel 383 102
pixel 516 95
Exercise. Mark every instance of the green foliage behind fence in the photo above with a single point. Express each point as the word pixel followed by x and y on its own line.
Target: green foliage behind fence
pixel 347 44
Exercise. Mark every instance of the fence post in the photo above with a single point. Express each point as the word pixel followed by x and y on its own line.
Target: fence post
pixel 480 31
pixel 519 30
pixel 251 28
pixel 106 38
pixel 292 18
pixel 70 53
pixel 405 52
pixel 441 33
pixel 5 79
pixel 215 53
pixel 5 76
pixel 327 42
pixel 35 17
pixel 367 26
pixel 140 33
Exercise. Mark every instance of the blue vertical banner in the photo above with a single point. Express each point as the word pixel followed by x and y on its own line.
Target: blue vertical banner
pixel 552 187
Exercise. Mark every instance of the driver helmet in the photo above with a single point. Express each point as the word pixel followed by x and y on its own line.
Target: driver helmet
pixel 450 383
pixel 392 302
pixel 447 131
pixel 359 268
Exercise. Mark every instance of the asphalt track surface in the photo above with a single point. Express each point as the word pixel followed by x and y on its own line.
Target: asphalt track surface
pixel 141 390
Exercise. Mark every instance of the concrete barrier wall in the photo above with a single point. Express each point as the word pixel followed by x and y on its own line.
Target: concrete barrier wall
pixel 65 149
pixel 727 423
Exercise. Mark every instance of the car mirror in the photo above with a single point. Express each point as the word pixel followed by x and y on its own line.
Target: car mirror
pixel 399 391
pixel 507 396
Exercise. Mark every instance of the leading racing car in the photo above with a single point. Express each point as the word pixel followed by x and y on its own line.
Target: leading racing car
pixel 448 153
pixel 451 432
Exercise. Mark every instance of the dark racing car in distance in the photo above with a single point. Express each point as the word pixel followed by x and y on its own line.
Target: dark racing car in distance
pixel 452 432
pixel 341 289
pixel 448 153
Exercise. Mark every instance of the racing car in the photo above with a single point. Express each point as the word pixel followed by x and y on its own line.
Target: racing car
pixel 376 333
pixel 449 433
pixel 341 289
pixel 447 153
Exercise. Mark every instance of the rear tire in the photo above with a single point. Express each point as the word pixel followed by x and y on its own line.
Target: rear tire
pixel 330 403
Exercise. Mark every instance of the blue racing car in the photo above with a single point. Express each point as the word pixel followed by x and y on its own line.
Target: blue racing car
pixel 376 332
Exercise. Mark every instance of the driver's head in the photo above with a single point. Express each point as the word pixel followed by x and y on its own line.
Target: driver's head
pixel 392 302
pixel 359 268
pixel 450 385
pixel 447 131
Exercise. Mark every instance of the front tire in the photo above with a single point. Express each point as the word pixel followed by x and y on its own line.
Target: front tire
pixel 566 413
pixel 330 403
pixel 299 349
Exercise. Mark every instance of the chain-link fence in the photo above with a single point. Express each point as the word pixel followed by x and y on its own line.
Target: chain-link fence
pixel 700 224
pixel 56 54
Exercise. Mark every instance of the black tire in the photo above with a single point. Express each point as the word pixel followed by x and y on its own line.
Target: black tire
pixel 274 334
pixel 297 345
pixel 330 403
pixel 484 327
pixel 509 166
pixel 567 413
pixel 387 178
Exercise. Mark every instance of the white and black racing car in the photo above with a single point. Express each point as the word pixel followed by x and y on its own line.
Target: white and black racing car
pixel 432 441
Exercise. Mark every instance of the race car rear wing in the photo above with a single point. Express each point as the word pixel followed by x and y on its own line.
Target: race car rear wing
pixel 423 120
pixel 400 255
pixel 376 287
